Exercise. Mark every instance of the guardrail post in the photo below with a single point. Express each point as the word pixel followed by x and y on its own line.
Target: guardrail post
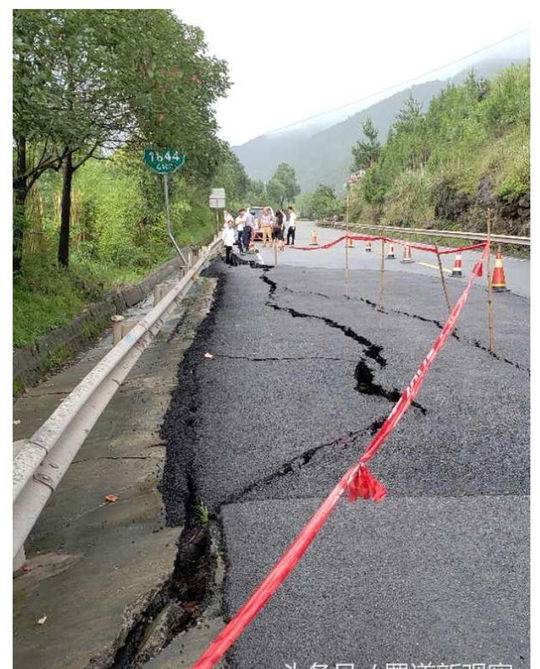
pixel 116 328
pixel 159 292
pixel 128 325
pixel 380 306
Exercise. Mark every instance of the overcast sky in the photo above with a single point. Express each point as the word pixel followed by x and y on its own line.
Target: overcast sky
pixel 290 59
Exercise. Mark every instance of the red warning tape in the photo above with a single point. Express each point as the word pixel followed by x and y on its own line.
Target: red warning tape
pixel 319 247
pixel 389 240
pixel 357 482
pixel 472 247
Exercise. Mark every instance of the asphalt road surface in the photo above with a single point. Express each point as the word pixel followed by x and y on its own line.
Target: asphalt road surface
pixel 516 269
pixel 301 376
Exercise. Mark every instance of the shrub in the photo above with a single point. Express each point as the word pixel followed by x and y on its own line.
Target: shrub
pixel 409 202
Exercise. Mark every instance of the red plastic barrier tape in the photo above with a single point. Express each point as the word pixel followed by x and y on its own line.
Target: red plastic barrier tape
pixel 426 247
pixel 286 563
pixel 328 245
pixel 472 247
pixel 357 482
pixel 389 240
pixel 319 246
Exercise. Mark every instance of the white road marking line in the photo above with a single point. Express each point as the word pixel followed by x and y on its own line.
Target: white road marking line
pixel 426 264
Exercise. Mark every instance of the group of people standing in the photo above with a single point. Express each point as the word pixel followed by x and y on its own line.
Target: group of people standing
pixel 273 226
pixel 242 229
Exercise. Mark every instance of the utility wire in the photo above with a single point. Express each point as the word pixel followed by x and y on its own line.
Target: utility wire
pixel 403 83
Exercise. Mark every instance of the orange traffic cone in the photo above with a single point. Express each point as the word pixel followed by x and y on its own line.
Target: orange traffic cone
pixel 368 246
pixel 314 239
pixel 391 255
pixel 498 280
pixel 456 269
pixel 407 254
pixel 350 243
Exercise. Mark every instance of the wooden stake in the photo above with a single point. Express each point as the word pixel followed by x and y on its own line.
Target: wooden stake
pixel 380 306
pixel 275 252
pixel 443 282
pixel 491 344
pixel 347 275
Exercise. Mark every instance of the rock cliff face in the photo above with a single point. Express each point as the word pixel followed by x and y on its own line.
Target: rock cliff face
pixel 510 215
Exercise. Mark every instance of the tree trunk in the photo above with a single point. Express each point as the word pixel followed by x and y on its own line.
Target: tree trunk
pixel 19 206
pixel 65 210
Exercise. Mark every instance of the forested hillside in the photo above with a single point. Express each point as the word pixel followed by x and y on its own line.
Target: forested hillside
pixel 323 156
pixel 469 150
pixel 92 89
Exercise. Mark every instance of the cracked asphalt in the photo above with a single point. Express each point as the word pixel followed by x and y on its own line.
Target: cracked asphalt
pixel 301 377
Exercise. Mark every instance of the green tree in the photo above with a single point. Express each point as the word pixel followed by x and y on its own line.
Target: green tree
pixel 508 103
pixel 231 176
pixel 35 122
pixel 115 78
pixel 408 136
pixel 283 186
pixel 367 152
pixel 323 203
pixel 257 193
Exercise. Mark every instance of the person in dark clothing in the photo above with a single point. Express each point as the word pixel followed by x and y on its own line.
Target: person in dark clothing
pixel 290 236
pixel 228 237
pixel 277 230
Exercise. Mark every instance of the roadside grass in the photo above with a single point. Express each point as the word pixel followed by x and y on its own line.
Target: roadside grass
pixel 46 297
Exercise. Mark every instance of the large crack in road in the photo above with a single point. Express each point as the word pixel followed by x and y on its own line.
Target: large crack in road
pixel 364 300
pixel 178 487
pixel 363 374
pixel 178 604
pixel 181 495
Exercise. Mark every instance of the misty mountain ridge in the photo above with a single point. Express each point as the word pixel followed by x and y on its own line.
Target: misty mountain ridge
pixel 322 154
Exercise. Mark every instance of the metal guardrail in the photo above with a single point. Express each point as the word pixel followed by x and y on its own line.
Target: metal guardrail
pixel 479 236
pixel 40 462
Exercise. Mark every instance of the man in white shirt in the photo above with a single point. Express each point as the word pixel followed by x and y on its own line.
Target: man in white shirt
pixel 291 231
pixel 248 228
pixel 240 229
pixel 228 238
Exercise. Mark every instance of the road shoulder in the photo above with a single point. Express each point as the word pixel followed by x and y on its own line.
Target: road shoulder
pixel 95 569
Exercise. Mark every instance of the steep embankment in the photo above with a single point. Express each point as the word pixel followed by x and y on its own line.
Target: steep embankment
pixel 469 151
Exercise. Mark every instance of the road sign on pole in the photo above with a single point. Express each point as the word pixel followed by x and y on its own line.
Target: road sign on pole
pixel 217 202
pixel 165 161
pixel 217 198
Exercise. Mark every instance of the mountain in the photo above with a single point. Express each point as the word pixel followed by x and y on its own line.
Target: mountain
pixel 324 155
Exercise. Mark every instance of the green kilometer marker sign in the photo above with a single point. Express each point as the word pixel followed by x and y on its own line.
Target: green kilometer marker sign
pixel 166 161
